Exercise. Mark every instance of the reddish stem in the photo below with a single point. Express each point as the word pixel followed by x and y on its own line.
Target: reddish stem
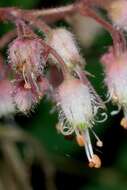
pixel 49 13
pixel 99 3
pixel 37 23
pixel 6 38
pixel 119 41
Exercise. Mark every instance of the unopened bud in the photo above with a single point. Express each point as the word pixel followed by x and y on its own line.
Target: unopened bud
pixel 64 43
pixel 117 11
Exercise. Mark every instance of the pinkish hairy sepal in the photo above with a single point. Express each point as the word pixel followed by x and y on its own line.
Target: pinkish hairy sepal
pixel 26 57
pixel 65 44
pixel 116 80
pixel 26 98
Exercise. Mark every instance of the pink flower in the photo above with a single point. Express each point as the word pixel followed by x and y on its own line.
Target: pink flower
pixel 78 107
pixel 26 57
pixel 65 44
pixel 116 79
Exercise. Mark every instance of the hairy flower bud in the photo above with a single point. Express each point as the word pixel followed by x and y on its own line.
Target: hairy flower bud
pixel 64 43
pixel 117 11
pixel 26 56
pixel 116 79
pixel 77 109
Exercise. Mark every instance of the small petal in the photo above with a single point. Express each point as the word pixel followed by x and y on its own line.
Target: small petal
pixel 24 98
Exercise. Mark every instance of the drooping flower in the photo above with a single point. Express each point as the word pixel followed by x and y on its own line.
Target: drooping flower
pixel 27 59
pixel 78 107
pixel 116 80
pixel 64 43
pixel 117 11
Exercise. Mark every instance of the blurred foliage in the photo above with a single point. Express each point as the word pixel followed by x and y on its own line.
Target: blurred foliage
pixel 66 156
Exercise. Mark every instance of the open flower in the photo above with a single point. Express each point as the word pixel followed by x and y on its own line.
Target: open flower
pixel 78 107
pixel 116 80
pixel 26 57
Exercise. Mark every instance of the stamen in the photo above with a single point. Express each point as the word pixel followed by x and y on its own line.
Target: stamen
pixel 88 145
pixel 95 162
pixel 35 84
pixel 80 140
pixel 109 97
pixel 65 128
pixel 27 84
pixel 115 112
pixel 115 98
pixel 99 143
pixel 123 123
pixel 103 119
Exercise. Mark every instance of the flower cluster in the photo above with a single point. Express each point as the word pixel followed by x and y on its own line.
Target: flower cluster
pixel 53 65
pixel 27 61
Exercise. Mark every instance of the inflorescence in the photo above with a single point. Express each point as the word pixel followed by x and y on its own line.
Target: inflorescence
pixel 53 65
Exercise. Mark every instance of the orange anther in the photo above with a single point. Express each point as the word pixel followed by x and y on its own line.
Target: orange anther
pixel 95 162
pixel 123 123
pixel 80 140
pixel 27 86
pixel 99 143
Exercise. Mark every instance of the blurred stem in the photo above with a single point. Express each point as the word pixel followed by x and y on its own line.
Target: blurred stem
pixel 15 164
pixel 119 41
pixel 2 185
pixel 53 14
pixel 10 135
pixel 7 179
